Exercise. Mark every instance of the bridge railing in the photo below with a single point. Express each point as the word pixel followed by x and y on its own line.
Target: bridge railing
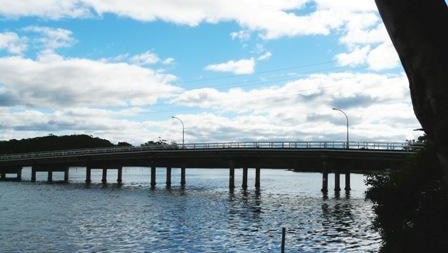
pixel 386 146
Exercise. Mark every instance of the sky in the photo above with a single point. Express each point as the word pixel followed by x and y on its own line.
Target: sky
pixel 247 70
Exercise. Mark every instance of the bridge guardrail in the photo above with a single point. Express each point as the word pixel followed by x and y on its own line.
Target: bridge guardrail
pixel 386 146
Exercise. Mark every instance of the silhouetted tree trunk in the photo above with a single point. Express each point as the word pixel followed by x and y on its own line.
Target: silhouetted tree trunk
pixel 419 32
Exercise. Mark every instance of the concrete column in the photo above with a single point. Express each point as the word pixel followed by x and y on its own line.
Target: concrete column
pixel 66 171
pixel 182 177
pixel 257 178
pixel 3 176
pixel 324 180
pixel 19 174
pixel 88 175
pixel 231 178
pixel 50 176
pixel 104 177
pixel 153 176
pixel 337 181
pixel 120 175
pixel 33 174
pixel 347 180
pixel 168 176
pixel 244 185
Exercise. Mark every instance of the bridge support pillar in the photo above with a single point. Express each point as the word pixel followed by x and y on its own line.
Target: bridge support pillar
pixel 120 175
pixel 337 181
pixel 153 176
pixel 324 180
pixel 104 177
pixel 232 178
pixel 244 185
pixel 347 180
pixel 33 174
pixel 257 178
pixel 19 174
pixel 3 176
pixel 168 176
pixel 182 177
pixel 50 176
pixel 88 175
pixel 66 174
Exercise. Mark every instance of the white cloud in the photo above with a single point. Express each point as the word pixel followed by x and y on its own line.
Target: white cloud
pixel 168 61
pixel 12 43
pixel 53 9
pixel 383 57
pixel 368 44
pixel 71 82
pixel 52 38
pixel 378 106
pixel 356 57
pixel 273 19
pixel 241 35
pixel 264 56
pixel 240 67
pixel 146 58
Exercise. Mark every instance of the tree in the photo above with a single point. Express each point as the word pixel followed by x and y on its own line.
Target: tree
pixel 418 31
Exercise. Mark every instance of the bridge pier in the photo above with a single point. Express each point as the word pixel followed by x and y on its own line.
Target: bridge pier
pixel 153 176
pixel 120 175
pixel 244 184
pixel 168 177
pixel 324 178
pixel 50 176
pixel 88 175
pixel 231 178
pixel 19 174
pixel 66 174
pixel 337 181
pixel 104 176
pixel 3 176
pixel 182 177
pixel 347 180
pixel 33 174
pixel 257 178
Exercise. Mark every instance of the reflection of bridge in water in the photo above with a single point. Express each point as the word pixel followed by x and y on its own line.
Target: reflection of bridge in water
pixel 324 157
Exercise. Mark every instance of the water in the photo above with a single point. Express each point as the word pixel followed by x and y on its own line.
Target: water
pixel 203 217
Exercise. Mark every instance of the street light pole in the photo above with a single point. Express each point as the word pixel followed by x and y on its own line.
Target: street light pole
pixel 183 130
pixel 346 117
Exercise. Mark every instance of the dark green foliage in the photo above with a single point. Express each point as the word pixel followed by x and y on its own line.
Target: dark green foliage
pixel 412 205
pixel 52 142
pixel 123 144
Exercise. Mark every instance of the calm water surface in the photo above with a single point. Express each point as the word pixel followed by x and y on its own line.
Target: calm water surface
pixel 203 217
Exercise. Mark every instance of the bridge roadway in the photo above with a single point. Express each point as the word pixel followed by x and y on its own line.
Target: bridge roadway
pixel 325 157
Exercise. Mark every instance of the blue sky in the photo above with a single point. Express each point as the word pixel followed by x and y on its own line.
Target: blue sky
pixel 231 70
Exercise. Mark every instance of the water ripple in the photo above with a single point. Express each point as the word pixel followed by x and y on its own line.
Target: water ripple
pixel 204 218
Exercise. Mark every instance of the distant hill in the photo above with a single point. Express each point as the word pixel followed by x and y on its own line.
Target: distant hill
pixel 52 142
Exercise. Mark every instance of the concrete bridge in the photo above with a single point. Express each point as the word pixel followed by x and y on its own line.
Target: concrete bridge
pixel 324 157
